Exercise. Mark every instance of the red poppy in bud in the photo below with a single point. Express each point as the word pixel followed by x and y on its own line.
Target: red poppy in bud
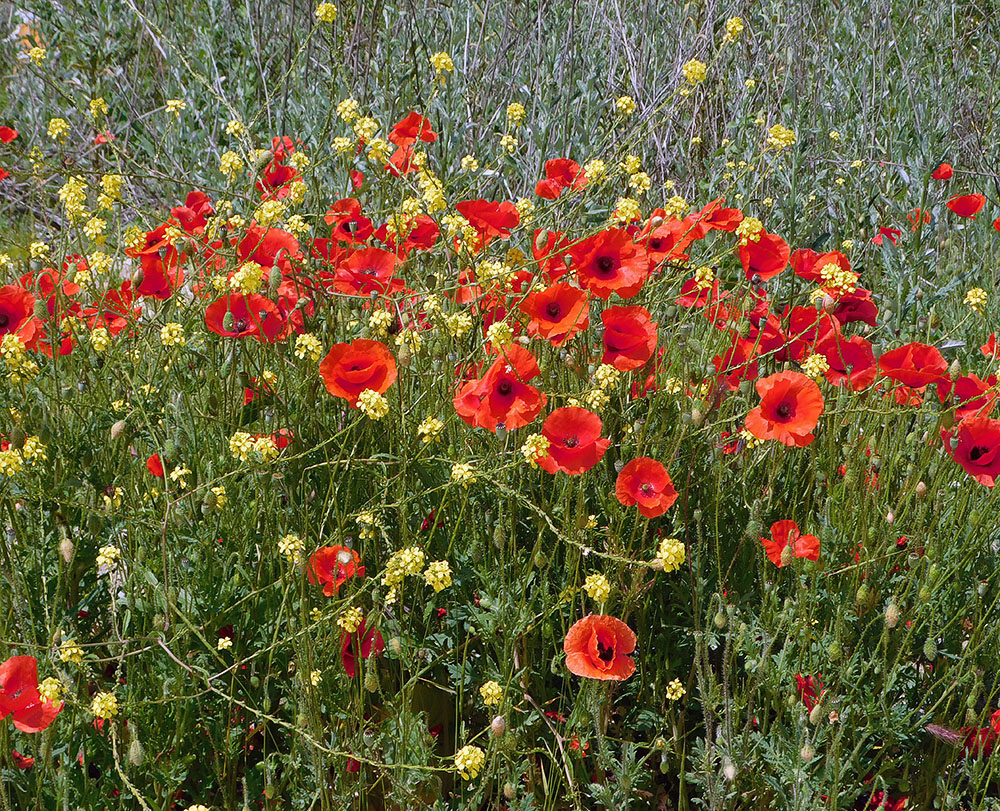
pixel 19 696
pixel 368 270
pixel 411 129
pixel 966 205
pixel 786 533
pixel 349 369
pixel 856 306
pixel 575 442
pixel 976 448
pixel 943 172
pixel 598 647
pixel 886 233
pixel 17 306
pixel 990 349
pixel 768 256
pixel 561 173
pixel 645 483
pixel 155 466
pixel 916 365
pixel 502 396
pixel 790 407
pixel 610 262
pixel 364 643
pixel 556 313
pixel 349 224
pixel 490 220
pixel 332 566
pixel 852 361
pixel 253 316
pixel 7 135
pixel 629 337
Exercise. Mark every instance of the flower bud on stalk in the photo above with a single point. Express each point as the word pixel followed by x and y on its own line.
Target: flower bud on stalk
pixel 264 160
pixel 498 727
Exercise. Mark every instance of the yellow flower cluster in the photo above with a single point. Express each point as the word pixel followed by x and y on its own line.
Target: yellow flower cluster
pixel 438 575
pixel 675 690
pixel 58 129
pixel 308 347
pixel 694 71
pixel 350 620
pixel 469 761
pixel 73 196
pixel 51 690
pixel 535 447
pixel 671 554
pixel 292 547
pixel 976 299
pixel 172 334
pixel 104 705
pixel 749 230
pixel 70 652
pixel 492 693
pixel 248 278
pixel 326 13
pixel 833 277
pixel 597 587
pixel 516 114
pixel 372 404
pixel 815 366
pixel 108 556
pixel 430 429
pixel 463 473
pixel 625 105
pixel 780 137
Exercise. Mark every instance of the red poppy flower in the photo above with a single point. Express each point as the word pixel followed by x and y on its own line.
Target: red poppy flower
pixel 790 407
pixel 966 205
pixel 990 349
pixel 914 365
pixel 851 360
pixel 4 173
pixel 22 762
pixel 489 219
pixel 668 242
pixel 786 533
pixel 976 448
pixel 194 214
pixel 349 224
pixel 767 257
pixel 253 316
pixel 629 337
pixel 645 483
pixel 368 270
pixel 973 397
pixel 114 310
pixel 549 248
pixel 411 129
pixel 810 690
pixel 856 306
pixel 598 647
pixel 349 369
pixel 332 566
pixel 268 247
pixel 917 218
pixel 890 233
pixel 365 642
pixel 556 313
pixel 943 172
pixel 7 135
pixel 502 396
pixel 610 262
pixel 996 224
pixel 561 173
pixel 807 264
pixel 19 696
pixel 17 306
pixel 575 442
pixel 155 466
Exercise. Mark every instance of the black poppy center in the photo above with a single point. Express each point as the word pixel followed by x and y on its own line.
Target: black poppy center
pixel 5 319
pixel 784 410
pixel 656 243
pixel 978 453
pixel 605 653
pixel 504 387
pixel 571 442
pixel 241 325
pixel 552 309
pixel 605 264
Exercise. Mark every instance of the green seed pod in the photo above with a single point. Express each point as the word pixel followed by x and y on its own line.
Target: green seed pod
pixel 863 596
pixel 930 649
pixel 541 560
pixel 835 651
pixel 41 309
pixel 754 528
pixel 720 620
pixel 17 437
pixel 228 322
pixel 371 680
pixel 924 595
pixel 971 701
pixel 499 536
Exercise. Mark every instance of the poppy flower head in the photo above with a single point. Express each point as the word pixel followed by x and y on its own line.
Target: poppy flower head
pixel 411 129
pixel 7 134
pixel 976 447
pixel 556 313
pixel 966 205
pixel 785 534
pixel 560 174
pixel 610 262
pixel 17 306
pixel 914 364
pixel 790 407
pixel 489 219
pixel 332 566
pixel 368 270
pixel 943 172
pixel 598 647
pixel 349 369
pixel 20 698
pixel 575 442
pixel 629 337
pixel 349 224
pixel 364 643
pixel 645 483
pixel 502 396
pixel 252 316
pixel 766 256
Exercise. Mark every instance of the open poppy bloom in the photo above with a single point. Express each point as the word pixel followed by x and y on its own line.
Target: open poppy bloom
pixel 333 566
pixel 368 270
pixel 976 448
pixel 503 395
pixel 19 696
pixel 7 135
pixel 645 483
pixel 557 313
pixel 490 220
pixel 966 205
pixel 17 306
pixel 810 689
pixel 154 464
pixel 349 224
pixel 892 234
pixel 852 361
pixel 785 534
pixel 629 337
pixel 915 365
pixel 991 349
pixel 364 643
pixel 856 306
pixel 411 129
pixel 610 262
pixel 575 442
pixel 253 316
pixel 943 172
pixel 790 407
pixel 349 369
pixel 561 173
pixel 768 256
pixel 598 647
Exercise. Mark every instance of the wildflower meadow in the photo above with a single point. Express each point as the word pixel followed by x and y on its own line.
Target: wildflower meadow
pixel 538 405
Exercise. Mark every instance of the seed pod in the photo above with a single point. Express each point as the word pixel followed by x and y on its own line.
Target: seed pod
pixel 371 680
pixel 816 714
pixel 892 615
pixel 117 429
pixel 499 536
pixel 930 649
pixel 924 595
pixel 498 727
pixel 136 754
pixel 863 596
pixel 508 790
pixel 955 370
pixel 137 278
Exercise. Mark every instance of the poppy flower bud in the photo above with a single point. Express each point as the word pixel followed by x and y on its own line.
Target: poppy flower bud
pixel 508 790
pixel 499 536
pixel 720 619
pixel 186 247
pixel 396 645
pixel 136 754
pixel 930 649
pixel 816 714
pixel 209 503
pixel 264 160
pixel 656 564
pixel 567 259
pixel 924 595
pixel 404 355
pixel 921 489
pixel 787 554
pixel 274 279
pixel 540 239
pixel 498 727
pixel 862 596
pixel 228 322
pixel 17 437
pixel 729 771
pixel 66 549
pixel 656 222
pixel 541 560
pixel 41 309
pixel 137 278
pixel 807 753
pixel 835 651
pixel 371 680
pixel 117 429
pixel 829 304
pixel 955 370
pixel 890 518
pixel 36 265
pixel 892 615
pixel 697 418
